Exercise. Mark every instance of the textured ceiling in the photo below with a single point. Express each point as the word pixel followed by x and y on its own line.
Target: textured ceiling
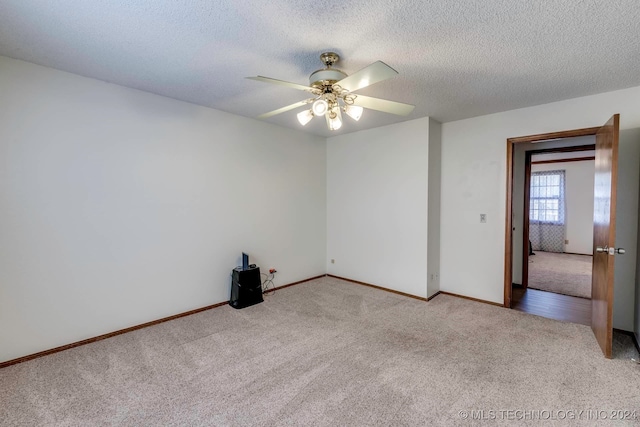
pixel 456 59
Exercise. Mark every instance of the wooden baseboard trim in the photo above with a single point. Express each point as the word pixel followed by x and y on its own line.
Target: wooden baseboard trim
pixel 130 329
pixel 295 283
pixel 108 335
pixel 632 335
pixel 433 296
pixel 564 253
pixel 497 304
pixel 379 287
pixel 574 253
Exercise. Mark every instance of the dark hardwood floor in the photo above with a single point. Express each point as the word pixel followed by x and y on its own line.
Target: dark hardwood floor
pixel 551 305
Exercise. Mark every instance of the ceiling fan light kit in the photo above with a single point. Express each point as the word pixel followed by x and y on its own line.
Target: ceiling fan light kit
pixel 333 93
pixel 320 107
pixel 305 117
pixel 353 111
pixel 334 119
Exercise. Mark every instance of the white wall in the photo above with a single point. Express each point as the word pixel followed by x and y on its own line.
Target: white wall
pixel 118 207
pixel 474 182
pixel 626 229
pixel 579 182
pixel 377 206
pixel 636 315
pixel 517 216
pixel 433 204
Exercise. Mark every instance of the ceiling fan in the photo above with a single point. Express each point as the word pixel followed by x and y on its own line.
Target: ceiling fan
pixel 333 93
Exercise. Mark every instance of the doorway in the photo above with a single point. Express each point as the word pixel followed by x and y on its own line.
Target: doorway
pixel 603 249
pixel 556 192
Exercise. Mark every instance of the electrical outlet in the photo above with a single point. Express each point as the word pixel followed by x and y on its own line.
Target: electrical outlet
pixel 272 270
pixel 566 242
pixel 483 218
pixel 333 261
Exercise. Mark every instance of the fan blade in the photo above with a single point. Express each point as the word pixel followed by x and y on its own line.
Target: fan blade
pixel 283 83
pixel 283 109
pixel 384 105
pixel 369 75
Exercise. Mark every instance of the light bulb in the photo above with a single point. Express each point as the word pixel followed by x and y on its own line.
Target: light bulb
pixel 334 119
pixel 353 111
pixel 320 107
pixel 305 117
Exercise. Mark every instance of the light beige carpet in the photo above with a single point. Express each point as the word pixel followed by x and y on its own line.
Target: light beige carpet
pixel 566 274
pixel 326 353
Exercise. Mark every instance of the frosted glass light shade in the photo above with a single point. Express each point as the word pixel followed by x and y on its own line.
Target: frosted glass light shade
pixel 334 119
pixel 353 111
pixel 305 117
pixel 320 107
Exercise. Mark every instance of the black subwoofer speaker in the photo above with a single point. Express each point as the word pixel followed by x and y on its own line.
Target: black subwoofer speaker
pixel 246 287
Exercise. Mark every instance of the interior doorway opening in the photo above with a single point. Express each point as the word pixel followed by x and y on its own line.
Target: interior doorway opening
pixel 553 182
pixel 604 222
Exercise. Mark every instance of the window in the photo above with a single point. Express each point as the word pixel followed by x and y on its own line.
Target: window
pixel 547 197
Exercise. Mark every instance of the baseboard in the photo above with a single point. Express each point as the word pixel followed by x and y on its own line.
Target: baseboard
pixel 567 253
pixel 295 283
pixel 472 299
pixel 632 335
pixel 130 329
pixel 380 288
pixel 433 296
pixel 108 335
pixel 573 253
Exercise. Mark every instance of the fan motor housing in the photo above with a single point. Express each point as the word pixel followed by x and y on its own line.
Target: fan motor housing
pixel 326 75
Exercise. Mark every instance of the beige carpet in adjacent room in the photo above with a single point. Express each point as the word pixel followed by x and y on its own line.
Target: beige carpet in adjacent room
pixel 566 274
pixel 326 353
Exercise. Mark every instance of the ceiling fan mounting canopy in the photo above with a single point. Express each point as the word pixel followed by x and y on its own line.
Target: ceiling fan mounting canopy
pixel 333 90
pixel 329 58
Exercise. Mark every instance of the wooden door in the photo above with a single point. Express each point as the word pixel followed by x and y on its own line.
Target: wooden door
pixel 604 233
